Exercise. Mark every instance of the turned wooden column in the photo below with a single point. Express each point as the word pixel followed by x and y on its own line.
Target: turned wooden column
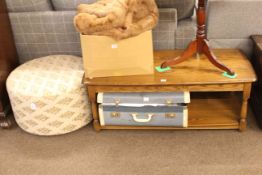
pixel 8 61
pixel 201 26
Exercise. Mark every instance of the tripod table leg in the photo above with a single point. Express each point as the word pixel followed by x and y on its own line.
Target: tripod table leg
pixel 212 58
pixel 190 50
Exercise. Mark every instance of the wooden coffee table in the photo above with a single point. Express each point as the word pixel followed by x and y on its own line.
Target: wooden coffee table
pixel 217 102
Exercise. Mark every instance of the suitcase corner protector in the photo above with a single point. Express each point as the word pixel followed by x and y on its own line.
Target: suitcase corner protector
pixel 101 115
pixel 100 97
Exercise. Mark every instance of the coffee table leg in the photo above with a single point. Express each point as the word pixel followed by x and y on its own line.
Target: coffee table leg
pixel 243 115
pixel 92 96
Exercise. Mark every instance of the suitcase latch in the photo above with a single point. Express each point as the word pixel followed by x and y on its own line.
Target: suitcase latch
pixel 117 102
pixel 169 102
pixel 170 115
pixel 115 114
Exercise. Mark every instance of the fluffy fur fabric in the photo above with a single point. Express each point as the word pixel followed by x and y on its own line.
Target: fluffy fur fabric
pixel 119 19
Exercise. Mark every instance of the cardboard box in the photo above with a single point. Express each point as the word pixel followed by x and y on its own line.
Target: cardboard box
pixel 104 56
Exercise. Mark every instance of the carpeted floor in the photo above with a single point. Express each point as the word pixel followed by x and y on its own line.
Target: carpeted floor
pixel 85 152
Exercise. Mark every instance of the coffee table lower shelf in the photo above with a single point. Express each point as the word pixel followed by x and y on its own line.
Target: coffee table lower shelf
pixel 206 112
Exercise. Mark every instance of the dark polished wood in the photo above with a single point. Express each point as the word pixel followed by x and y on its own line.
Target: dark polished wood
pixel 196 76
pixel 5 123
pixel 200 45
pixel 8 61
pixel 256 95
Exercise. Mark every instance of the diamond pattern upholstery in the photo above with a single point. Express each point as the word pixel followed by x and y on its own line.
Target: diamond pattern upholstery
pixel 47 95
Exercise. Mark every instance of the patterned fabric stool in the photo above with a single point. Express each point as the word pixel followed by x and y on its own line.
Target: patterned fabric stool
pixel 47 95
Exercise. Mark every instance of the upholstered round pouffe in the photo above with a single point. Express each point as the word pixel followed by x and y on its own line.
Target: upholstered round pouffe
pixel 47 95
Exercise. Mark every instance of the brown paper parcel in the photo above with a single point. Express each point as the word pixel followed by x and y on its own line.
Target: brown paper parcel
pixel 103 56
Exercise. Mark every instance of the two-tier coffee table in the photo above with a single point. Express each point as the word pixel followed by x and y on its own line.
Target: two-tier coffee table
pixel 217 102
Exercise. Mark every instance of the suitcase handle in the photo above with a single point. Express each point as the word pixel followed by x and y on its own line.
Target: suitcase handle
pixel 134 115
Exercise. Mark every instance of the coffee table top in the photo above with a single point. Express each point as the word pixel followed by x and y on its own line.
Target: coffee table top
pixel 191 72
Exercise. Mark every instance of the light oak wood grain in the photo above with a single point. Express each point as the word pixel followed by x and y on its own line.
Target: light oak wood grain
pixel 191 72
pixel 206 111
pixel 168 88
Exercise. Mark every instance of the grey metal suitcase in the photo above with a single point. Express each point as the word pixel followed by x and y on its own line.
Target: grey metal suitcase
pixel 143 116
pixel 155 99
